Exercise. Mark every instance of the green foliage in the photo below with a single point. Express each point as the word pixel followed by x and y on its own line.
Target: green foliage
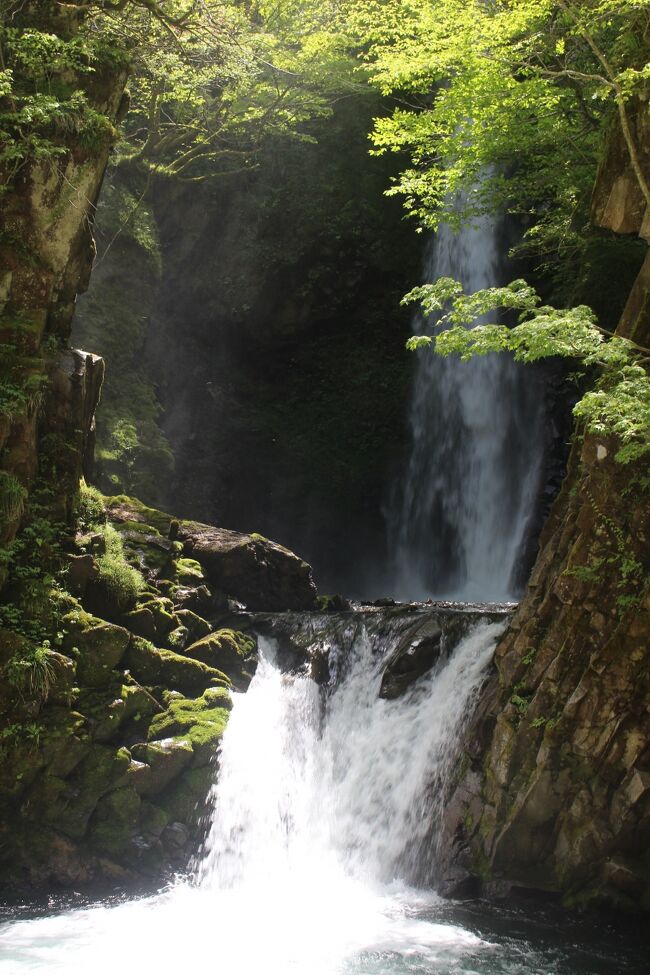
pixel 44 108
pixel 90 510
pixel 619 404
pixel 210 86
pixel 31 672
pixel 502 105
pixel 12 498
pixel 122 581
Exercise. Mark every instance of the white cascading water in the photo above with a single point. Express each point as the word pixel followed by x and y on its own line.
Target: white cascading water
pixel 459 513
pixel 322 798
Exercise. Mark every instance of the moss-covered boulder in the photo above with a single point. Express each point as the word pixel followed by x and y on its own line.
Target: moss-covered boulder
pixel 228 650
pixel 200 721
pixel 100 648
pixel 164 668
pixel 165 759
pixel 189 800
pixel 68 803
pixel 196 626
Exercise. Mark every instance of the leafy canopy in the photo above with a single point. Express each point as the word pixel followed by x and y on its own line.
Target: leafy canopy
pixel 500 103
pixel 210 80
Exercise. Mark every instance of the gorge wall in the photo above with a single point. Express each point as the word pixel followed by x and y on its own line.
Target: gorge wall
pixel 268 324
pixel 554 794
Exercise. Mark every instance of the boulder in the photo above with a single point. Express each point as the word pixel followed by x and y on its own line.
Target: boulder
pixel 166 760
pixel 200 721
pixel 228 650
pixel 101 648
pixel 260 573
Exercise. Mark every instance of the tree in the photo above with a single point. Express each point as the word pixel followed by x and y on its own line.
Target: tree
pixel 502 103
pixel 209 80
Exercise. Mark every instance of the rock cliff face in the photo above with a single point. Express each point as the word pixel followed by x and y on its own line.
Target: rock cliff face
pixel 46 251
pixel 109 738
pixel 555 792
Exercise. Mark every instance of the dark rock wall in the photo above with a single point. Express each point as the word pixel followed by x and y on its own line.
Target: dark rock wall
pixel 46 252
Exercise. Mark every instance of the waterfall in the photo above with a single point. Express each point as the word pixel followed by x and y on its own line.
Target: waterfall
pixel 458 518
pixel 322 796
pixel 343 784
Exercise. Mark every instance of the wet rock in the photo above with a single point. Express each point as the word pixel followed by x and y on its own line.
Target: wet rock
pixel 419 649
pixel 175 837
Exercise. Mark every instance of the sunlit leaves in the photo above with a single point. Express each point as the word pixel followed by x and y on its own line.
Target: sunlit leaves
pixel 510 93
pixel 620 402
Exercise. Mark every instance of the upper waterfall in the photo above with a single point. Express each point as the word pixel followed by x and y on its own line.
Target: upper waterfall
pixel 458 516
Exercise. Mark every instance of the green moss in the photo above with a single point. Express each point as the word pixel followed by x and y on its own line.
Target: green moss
pixel 127 508
pixel 121 581
pixel 189 571
pixel 164 668
pixel 201 721
pixel 227 649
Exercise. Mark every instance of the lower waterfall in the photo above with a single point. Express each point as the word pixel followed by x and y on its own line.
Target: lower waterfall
pixel 327 799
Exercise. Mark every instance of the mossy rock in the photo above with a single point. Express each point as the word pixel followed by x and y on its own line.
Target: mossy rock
pixel 153 819
pixel 101 647
pixel 162 610
pixel 139 704
pixel 68 808
pixel 189 572
pixel 153 554
pixel 114 839
pixel 124 509
pixel 178 639
pixel 141 622
pixel 119 806
pixel 201 721
pixel 196 625
pixel 21 762
pixel 229 650
pixel 187 800
pixel 164 668
pixel 105 712
pixel 166 759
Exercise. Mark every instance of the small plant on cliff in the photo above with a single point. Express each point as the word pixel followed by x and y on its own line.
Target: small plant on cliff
pixel 122 581
pixel 32 673
pixel 12 498
pixel 619 402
